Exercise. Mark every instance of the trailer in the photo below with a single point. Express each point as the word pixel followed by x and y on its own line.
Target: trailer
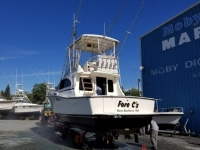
pixel 83 136
pixel 178 130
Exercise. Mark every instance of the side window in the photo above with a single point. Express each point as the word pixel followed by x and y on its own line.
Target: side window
pixel 80 84
pixel 65 83
pixel 110 86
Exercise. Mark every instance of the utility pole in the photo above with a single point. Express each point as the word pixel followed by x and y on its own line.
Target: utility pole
pixel 139 87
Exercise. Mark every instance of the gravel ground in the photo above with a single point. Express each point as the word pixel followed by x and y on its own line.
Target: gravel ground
pixel 27 135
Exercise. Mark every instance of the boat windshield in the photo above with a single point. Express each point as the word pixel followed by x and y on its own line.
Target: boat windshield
pixel 23 101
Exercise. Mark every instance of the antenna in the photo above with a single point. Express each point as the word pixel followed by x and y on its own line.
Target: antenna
pixel 16 80
pixel 54 79
pixel 48 76
pixel 22 79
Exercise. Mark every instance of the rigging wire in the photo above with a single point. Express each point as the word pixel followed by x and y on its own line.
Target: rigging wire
pixel 129 31
pixel 84 14
pixel 42 75
pixel 78 9
pixel 146 31
pixel 114 20
pixel 116 17
pixel 36 74
pixel 147 24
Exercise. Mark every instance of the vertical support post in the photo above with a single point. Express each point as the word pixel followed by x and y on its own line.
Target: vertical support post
pixel 98 46
pixel 104 29
pixel 69 51
pixel 114 48
pixel 156 105
pixel 139 87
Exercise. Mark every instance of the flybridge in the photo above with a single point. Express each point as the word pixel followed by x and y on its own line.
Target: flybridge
pixel 184 37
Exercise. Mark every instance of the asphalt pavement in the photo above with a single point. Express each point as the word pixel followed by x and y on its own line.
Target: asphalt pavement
pixel 28 135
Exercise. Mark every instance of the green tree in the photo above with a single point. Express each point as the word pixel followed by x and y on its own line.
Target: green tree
pixel 122 88
pixel 39 93
pixel 132 92
pixel 2 93
pixel 6 93
pixel 30 96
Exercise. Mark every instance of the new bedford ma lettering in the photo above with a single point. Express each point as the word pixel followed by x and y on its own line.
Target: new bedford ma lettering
pixel 184 38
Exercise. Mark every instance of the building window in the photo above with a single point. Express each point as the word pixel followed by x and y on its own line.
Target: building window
pixel 65 83
pixel 110 86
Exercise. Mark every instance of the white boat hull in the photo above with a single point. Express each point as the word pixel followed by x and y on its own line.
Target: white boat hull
pixel 167 120
pixel 26 109
pixel 110 112
pixel 102 105
pixel 6 105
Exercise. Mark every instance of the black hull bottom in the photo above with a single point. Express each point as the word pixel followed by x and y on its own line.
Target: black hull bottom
pixel 107 122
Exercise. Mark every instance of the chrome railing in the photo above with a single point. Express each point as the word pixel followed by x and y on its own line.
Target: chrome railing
pixel 171 109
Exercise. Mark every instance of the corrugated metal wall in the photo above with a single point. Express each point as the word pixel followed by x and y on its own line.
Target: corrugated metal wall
pixel 173 75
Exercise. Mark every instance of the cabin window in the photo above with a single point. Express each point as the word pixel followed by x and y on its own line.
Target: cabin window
pixel 65 83
pixel 110 86
pixel 80 84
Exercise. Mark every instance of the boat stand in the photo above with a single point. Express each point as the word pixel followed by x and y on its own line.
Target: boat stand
pixel 81 136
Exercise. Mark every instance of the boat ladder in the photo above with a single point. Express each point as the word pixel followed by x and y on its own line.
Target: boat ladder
pixel 87 85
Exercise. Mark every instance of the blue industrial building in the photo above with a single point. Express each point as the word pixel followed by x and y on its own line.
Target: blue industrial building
pixel 170 65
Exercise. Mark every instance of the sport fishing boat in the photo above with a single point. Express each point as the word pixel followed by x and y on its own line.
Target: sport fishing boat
pixel 23 105
pixel 50 89
pixel 89 93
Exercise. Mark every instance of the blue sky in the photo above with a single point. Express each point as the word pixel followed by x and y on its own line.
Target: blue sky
pixel 34 34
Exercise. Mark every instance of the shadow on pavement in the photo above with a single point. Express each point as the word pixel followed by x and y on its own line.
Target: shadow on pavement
pixel 12 116
pixel 48 132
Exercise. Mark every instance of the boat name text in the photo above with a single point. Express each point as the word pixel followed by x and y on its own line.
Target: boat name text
pixel 127 104
pixel 127 110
